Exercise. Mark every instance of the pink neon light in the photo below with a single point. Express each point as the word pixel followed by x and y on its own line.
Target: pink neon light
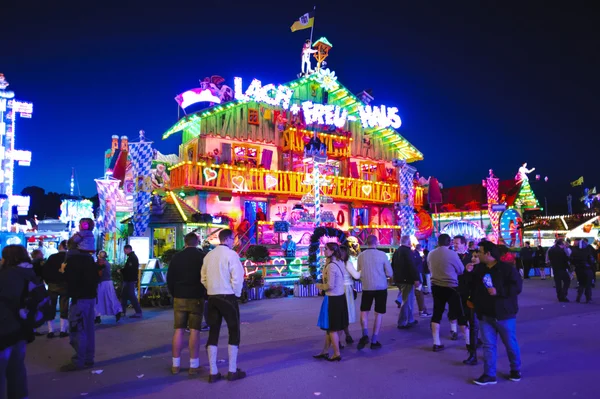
pixel 195 96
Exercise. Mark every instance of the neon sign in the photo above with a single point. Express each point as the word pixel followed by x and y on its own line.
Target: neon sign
pixel 269 94
pixel 194 96
pixel 371 117
pixel 324 114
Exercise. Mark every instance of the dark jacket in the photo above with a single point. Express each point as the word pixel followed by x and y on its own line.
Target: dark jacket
pixel 183 275
pixel 82 277
pixel 508 283
pixel 540 257
pixel 12 286
pixel 558 258
pixel 50 270
pixel 465 280
pixel 130 270
pixel 581 258
pixel 527 253
pixel 404 267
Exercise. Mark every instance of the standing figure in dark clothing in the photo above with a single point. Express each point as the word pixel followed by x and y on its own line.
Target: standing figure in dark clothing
pixel 527 257
pixel 540 261
pixel 582 260
pixel 407 278
pixel 467 319
pixel 594 254
pixel 559 261
pixel 57 287
pixel 81 274
pixel 130 279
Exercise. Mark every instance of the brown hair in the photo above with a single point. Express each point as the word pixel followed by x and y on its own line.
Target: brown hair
pixel 14 255
pixel 335 248
pixel 344 254
pixel 224 235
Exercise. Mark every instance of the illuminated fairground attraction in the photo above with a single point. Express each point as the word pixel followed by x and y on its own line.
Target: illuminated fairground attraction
pixel 272 160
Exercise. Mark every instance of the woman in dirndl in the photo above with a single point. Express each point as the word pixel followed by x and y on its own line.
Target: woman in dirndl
pixel 333 316
pixel 107 303
pixel 350 274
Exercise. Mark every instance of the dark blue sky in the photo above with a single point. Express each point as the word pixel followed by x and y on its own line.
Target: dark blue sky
pixel 479 84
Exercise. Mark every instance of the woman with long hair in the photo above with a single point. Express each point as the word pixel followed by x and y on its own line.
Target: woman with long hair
pixel 107 303
pixel 333 317
pixel 15 274
pixel 350 273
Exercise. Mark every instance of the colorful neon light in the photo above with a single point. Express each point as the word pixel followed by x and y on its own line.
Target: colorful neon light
pixel 269 94
pixel 194 96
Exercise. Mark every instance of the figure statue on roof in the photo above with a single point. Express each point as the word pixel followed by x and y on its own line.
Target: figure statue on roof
pixel 306 52
pixel 522 173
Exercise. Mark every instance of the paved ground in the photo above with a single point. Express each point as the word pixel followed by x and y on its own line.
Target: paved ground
pixel 559 342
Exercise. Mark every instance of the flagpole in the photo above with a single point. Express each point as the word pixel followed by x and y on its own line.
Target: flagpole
pixel 313 25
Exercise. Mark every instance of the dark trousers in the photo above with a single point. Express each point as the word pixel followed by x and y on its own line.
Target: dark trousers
pixel 584 277
pixel 562 280
pixel 443 296
pixel 527 265
pixel 128 294
pixel 473 328
pixel 63 302
pixel 223 307
pixel 13 374
pixel 82 334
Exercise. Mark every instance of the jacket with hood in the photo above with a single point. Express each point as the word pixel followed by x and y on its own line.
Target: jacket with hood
pixel 13 281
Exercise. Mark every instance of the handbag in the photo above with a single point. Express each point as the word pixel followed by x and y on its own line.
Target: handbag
pixel 323 321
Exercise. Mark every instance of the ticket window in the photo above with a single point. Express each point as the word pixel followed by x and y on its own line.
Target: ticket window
pixel 163 240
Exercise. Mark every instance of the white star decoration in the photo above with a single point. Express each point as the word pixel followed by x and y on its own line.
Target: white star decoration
pixel 327 79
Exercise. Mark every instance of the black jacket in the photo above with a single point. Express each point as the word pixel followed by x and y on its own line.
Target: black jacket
pixel 50 270
pixel 581 258
pixel 527 253
pixel 12 286
pixel 508 283
pixel 404 267
pixel 558 258
pixel 82 277
pixel 130 270
pixel 183 275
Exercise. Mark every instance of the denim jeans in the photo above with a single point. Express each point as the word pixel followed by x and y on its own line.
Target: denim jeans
pixel 490 328
pixel 13 375
pixel 82 334
pixel 128 294
pixel 408 300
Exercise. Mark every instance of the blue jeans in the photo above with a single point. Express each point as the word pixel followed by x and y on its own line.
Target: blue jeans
pixel 13 375
pixel 83 334
pixel 490 328
pixel 128 294
pixel 408 300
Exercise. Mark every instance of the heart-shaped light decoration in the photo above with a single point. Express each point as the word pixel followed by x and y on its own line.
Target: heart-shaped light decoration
pixel 386 196
pixel 238 182
pixel 296 266
pixel 280 264
pixel 366 189
pixel 270 181
pixel 209 174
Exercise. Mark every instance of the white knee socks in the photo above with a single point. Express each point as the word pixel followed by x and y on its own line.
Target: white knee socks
pixel 453 326
pixel 465 331
pixel 435 331
pixel 176 362
pixel 64 325
pixel 212 359
pixel 233 352
pixel 51 326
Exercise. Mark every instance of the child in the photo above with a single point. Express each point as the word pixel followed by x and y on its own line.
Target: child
pixel 86 242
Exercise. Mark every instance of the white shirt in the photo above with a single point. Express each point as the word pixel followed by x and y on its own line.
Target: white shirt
pixel 222 272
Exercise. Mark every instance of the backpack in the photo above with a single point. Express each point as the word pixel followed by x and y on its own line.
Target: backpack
pixel 36 306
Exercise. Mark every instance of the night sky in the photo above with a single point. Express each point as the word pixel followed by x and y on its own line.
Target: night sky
pixel 479 84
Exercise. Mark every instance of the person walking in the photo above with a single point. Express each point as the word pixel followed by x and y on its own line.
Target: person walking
pixel 82 278
pixel 57 288
pixel 223 276
pixel 445 266
pixel 107 303
pixel 350 274
pixel 15 273
pixel 540 261
pixel 333 317
pixel 184 283
pixel 582 260
pixel 406 277
pixel 130 281
pixel 419 293
pixel 527 258
pixel 559 261
pixel 496 289
pixel 465 322
pixel 374 267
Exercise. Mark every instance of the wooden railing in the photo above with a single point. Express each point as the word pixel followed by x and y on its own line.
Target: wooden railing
pixel 337 146
pixel 254 180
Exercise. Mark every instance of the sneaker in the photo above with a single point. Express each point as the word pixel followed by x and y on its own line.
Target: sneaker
pixel 205 328
pixel 376 345
pixel 453 335
pixel 399 303
pixel 63 334
pixel 438 348
pixel 413 323
pixel 238 375
pixel 485 380
pixel 515 376
pixel 362 342
pixel 50 335
pixel 425 314
pixel 349 340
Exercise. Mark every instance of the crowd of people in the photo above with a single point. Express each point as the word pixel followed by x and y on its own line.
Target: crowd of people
pixel 478 286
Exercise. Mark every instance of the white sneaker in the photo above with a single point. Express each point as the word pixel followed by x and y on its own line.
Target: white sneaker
pixel 425 314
